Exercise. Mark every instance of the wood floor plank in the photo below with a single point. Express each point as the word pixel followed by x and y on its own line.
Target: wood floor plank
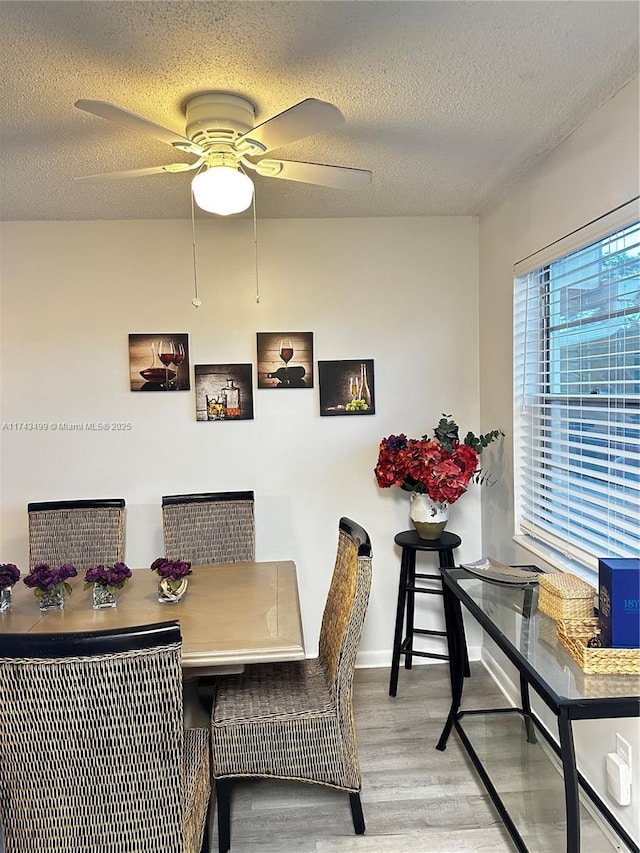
pixel 451 841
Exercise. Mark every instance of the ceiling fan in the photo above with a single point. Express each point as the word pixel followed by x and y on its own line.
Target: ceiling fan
pixel 220 133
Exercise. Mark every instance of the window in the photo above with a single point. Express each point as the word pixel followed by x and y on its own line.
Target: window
pixel 577 392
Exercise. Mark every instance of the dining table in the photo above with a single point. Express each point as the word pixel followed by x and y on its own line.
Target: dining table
pixel 232 614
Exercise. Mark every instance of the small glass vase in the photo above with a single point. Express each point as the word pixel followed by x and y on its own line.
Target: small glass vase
pixel 167 595
pixel 5 598
pixel 52 599
pixel 103 597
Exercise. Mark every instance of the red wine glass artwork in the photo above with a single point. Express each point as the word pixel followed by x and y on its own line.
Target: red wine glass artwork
pixel 286 352
pixel 166 354
pixel 178 358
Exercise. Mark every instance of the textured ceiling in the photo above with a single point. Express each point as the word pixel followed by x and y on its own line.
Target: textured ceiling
pixel 446 102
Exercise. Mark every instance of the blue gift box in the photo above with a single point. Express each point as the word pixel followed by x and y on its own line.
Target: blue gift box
pixel 619 596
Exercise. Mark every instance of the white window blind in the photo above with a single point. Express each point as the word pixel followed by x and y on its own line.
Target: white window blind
pixel 577 391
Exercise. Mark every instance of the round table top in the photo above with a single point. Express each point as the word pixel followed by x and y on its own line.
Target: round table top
pixel 410 539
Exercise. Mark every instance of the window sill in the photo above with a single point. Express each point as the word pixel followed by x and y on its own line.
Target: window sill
pixel 556 559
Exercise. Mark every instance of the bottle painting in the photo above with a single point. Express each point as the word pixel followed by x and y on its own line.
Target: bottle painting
pixel 365 393
pixel 231 400
pixel 288 375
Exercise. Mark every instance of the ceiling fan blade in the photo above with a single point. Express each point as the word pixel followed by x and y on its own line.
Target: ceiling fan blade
pixel 338 177
pixel 307 117
pixel 137 173
pixel 135 122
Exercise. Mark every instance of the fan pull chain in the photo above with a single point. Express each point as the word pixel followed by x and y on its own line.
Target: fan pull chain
pixel 255 248
pixel 196 301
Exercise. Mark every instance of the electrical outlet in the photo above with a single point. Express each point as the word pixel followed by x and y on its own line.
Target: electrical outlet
pixel 623 748
pixel 618 779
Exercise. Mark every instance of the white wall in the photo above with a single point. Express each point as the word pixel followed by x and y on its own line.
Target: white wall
pixel 593 171
pixel 400 291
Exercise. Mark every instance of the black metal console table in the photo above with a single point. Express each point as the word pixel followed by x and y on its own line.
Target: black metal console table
pixel 509 615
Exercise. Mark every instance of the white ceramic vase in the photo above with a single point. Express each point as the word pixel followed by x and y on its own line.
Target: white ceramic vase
pixel 429 518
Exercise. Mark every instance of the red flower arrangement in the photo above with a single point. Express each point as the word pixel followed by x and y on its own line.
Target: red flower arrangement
pixel 440 467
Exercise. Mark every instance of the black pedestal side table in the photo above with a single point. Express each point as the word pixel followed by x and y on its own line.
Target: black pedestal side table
pixel 410 543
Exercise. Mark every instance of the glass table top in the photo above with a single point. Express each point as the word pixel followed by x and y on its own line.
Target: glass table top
pixel 511 613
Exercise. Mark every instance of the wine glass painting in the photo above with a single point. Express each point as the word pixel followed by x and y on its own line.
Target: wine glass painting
pixel 166 352
pixel 347 387
pixel 285 359
pixel 159 362
pixel 286 351
pixel 179 356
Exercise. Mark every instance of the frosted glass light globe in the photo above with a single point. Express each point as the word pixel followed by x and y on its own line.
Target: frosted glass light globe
pixel 222 190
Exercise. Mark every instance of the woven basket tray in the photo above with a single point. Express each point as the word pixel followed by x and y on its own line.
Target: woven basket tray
pixel 565 596
pixel 601 661
pixel 579 627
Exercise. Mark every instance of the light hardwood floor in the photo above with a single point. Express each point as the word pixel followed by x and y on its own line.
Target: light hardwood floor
pixel 415 799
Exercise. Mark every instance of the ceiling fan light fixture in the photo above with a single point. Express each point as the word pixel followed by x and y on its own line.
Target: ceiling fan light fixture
pixel 223 190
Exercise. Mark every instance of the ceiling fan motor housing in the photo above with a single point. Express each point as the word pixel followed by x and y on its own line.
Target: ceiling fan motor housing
pixel 218 117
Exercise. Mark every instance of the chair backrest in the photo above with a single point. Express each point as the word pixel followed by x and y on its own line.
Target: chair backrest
pixel 345 610
pixel 84 533
pixel 212 527
pixel 92 741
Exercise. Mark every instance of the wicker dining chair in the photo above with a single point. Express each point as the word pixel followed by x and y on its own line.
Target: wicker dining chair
pixel 212 527
pixel 295 720
pixel 94 755
pixel 84 533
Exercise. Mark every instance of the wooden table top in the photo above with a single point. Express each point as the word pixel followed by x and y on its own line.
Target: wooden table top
pixel 231 615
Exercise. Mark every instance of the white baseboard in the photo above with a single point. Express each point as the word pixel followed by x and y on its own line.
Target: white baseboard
pixel 381 659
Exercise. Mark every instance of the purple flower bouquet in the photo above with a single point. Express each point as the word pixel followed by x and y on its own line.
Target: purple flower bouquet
pixel 105 582
pixel 112 577
pixel 9 575
pixel 173 577
pixel 50 585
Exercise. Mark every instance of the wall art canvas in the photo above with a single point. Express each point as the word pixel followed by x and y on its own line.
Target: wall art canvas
pixel 224 392
pixel 159 362
pixel 285 359
pixel 347 387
